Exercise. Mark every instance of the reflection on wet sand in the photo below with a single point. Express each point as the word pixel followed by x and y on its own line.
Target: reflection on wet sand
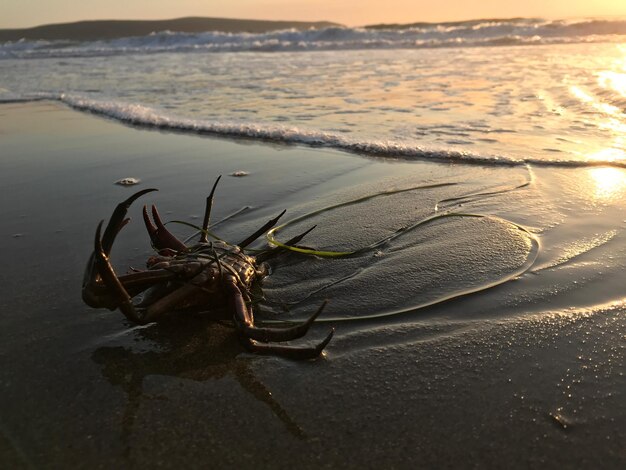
pixel 609 183
pixel 194 349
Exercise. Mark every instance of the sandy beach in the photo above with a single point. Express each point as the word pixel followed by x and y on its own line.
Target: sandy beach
pixel 492 340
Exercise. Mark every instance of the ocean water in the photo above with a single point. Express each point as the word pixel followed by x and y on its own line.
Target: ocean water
pixel 526 90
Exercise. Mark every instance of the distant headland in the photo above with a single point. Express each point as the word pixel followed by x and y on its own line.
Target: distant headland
pixel 113 29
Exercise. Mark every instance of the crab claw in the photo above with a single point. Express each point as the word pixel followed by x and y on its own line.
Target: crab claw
pixel 118 219
pixel 161 237
pixel 92 291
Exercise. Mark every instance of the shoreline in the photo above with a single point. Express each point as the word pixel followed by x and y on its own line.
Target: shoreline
pixel 146 118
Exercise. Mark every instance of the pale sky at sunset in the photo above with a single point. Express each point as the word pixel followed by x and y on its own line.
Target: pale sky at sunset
pixel 25 13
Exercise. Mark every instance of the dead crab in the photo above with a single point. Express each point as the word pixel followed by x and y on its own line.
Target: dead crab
pixel 207 275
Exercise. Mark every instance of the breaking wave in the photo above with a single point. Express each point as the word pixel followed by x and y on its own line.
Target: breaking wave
pixel 146 117
pixel 522 31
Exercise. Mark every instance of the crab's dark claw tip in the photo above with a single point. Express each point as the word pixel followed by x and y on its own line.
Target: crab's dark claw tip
pixel 157 218
pixel 318 312
pixel 298 239
pixel 149 225
pixel 210 198
pixel 137 195
pixel 277 218
pixel 98 241
pixel 324 343
pixel 313 317
pixel 213 188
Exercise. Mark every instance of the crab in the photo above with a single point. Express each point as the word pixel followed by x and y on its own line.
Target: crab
pixel 180 279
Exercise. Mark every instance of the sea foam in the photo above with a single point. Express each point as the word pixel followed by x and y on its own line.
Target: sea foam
pixel 147 117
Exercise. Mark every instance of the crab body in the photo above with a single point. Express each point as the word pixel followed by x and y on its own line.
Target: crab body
pixel 198 268
pixel 210 275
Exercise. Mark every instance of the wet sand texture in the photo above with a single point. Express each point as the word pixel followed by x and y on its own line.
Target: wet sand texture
pixel 514 376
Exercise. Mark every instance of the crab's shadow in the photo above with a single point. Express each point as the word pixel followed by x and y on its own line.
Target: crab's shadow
pixel 198 349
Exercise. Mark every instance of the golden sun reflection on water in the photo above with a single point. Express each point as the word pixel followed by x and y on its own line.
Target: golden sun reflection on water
pixel 613 80
pixel 607 183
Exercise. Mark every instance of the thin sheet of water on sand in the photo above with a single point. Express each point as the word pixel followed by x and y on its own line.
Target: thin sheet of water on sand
pixel 529 372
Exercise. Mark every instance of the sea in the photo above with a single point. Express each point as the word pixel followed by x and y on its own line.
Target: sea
pixel 551 92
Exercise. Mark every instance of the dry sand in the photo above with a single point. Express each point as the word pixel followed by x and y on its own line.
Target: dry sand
pixel 486 380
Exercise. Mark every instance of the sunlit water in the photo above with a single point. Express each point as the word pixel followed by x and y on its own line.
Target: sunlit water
pixel 560 104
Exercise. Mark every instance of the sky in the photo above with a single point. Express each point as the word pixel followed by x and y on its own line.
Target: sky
pixel 26 13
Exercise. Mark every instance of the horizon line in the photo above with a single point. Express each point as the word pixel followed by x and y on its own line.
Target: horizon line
pixel 466 20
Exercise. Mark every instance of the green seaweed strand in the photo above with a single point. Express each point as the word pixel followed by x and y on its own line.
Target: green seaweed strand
pixel 271 235
pixel 271 238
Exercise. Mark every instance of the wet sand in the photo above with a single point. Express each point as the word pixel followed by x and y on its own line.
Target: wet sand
pixel 527 371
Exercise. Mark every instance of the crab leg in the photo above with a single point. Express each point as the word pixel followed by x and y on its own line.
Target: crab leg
pixel 169 302
pixel 110 279
pixel 135 283
pixel 207 212
pixel 261 231
pixel 291 352
pixel 266 335
pixel 98 294
pixel 252 334
pixel 191 288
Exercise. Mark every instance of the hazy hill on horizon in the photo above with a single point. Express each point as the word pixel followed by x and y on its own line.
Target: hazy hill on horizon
pixel 92 30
